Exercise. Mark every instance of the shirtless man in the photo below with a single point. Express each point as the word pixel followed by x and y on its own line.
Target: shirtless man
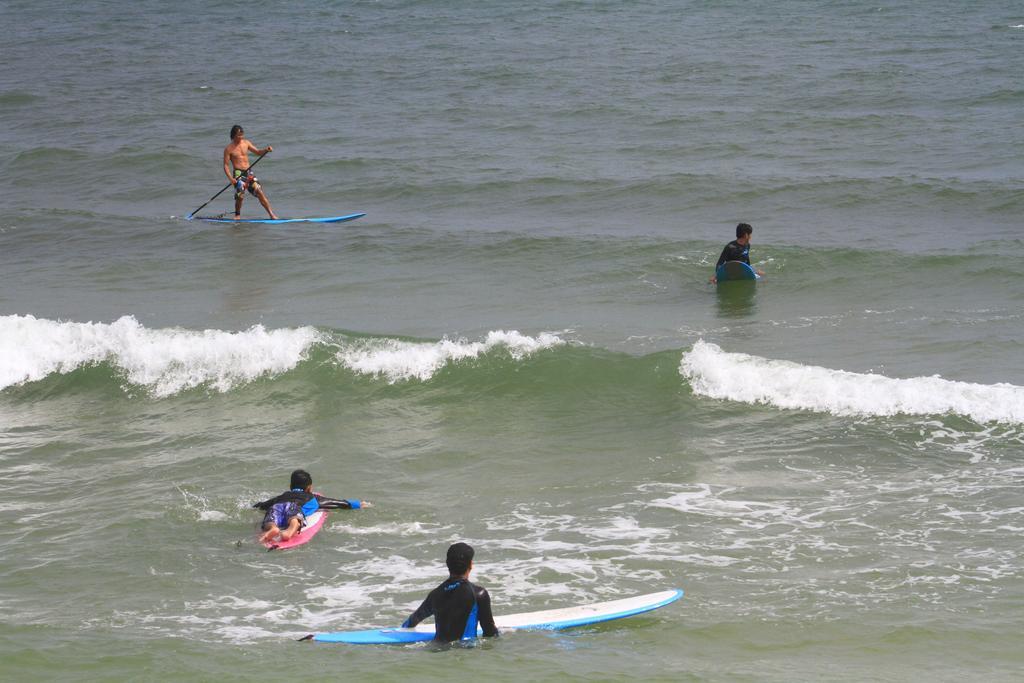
pixel 236 168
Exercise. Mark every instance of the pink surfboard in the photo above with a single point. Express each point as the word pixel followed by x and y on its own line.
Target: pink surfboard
pixel 313 525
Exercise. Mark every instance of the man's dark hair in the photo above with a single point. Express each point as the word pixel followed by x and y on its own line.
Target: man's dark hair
pixel 743 229
pixel 301 479
pixel 235 129
pixel 460 555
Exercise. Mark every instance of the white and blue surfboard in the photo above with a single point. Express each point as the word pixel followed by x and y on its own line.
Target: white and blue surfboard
pixel 735 270
pixel 546 620
pixel 278 221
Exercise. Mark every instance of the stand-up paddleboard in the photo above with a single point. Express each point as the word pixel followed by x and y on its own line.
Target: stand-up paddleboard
pixel 313 525
pixel 278 221
pixel 547 620
pixel 735 270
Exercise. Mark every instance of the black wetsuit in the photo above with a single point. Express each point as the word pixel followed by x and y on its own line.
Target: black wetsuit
pixel 734 251
pixel 308 502
pixel 457 606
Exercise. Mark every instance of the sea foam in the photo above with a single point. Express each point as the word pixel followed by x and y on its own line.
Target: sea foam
pixel 740 377
pixel 398 360
pixel 165 361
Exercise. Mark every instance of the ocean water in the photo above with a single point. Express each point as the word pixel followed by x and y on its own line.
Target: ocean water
pixel 518 346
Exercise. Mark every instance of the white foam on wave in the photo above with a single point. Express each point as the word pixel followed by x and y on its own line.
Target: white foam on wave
pixel 402 360
pixel 740 377
pixel 362 589
pixel 627 529
pixel 165 361
pixel 703 500
pixel 392 529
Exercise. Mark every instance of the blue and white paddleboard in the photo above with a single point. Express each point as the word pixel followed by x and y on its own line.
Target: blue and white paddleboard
pixel 547 620
pixel 735 270
pixel 278 221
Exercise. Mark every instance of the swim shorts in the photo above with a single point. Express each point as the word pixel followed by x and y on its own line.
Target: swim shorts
pixel 245 180
pixel 281 513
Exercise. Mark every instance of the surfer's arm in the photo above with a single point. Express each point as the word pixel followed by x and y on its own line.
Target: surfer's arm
pixel 486 618
pixel 422 612
pixel 256 150
pixel 340 503
pixel 266 504
pixel 227 166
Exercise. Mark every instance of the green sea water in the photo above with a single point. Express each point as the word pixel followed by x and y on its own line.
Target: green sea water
pixel 518 346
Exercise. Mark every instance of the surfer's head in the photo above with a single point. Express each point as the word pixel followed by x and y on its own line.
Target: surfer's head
pixel 301 480
pixel 236 130
pixel 743 229
pixel 459 559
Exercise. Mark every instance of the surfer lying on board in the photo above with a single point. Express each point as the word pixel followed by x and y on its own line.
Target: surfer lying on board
pixel 287 513
pixel 236 168
pixel 738 249
pixel 457 605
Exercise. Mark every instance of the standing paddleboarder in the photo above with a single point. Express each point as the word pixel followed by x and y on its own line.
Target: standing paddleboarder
pixel 236 168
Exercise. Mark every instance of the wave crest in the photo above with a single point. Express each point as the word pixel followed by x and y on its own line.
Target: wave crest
pixel 398 360
pixel 166 361
pixel 749 379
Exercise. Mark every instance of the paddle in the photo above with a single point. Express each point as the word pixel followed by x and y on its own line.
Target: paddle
pixel 189 217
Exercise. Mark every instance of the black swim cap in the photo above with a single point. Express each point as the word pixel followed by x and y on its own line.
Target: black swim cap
pixel 460 555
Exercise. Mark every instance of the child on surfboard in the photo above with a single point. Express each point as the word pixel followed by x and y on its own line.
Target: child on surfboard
pixel 286 513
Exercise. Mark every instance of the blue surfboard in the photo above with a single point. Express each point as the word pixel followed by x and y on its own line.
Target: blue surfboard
pixel 735 270
pixel 546 620
pixel 278 221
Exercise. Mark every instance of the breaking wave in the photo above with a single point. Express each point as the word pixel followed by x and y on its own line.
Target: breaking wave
pixel 740 377
pixel 401 360
pixel 167 361
pixel 171 360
